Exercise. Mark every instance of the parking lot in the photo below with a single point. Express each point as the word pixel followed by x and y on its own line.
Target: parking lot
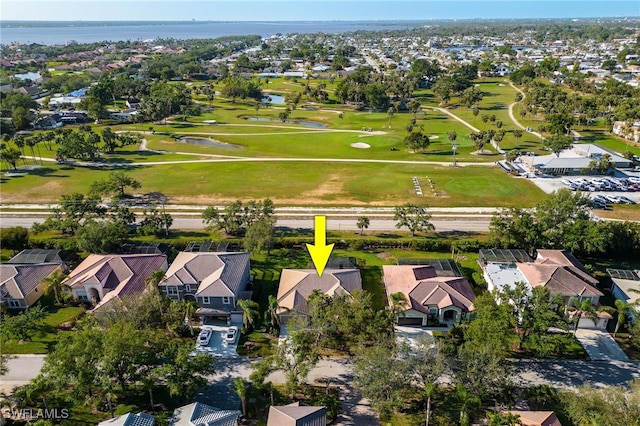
pixel 217 346
pixel 622 188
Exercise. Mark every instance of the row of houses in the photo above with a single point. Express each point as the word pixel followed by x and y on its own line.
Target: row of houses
pixel 199 414
pixel 434 290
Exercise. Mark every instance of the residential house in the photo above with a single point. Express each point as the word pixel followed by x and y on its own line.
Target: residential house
pixel 130 419
pixel 432 293
pixel 558 270
pixel 536 418
pixel 198 414
pixel 623 130
pixel 296 285
pixel 625 285
pixel 102 278
pixel 297 415
pixel 22 285
pixel 216 280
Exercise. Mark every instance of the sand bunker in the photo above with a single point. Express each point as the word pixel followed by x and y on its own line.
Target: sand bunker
pixel 360 145
pixel 434 137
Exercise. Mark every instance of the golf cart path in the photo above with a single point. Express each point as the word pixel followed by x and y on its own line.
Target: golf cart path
pixel 517 123
pixel 475 129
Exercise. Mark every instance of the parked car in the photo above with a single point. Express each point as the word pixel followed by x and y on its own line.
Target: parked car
pixel 204 337
pixel 231 334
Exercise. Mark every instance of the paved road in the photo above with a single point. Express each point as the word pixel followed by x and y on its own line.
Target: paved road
pixel 572 373
pixel 348 224
pixel 356 411
pixel 512 116
pixel 22 368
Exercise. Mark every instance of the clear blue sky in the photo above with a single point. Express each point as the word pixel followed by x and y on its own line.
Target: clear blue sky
pixel 308 10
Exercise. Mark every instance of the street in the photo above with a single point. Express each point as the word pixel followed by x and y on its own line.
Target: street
pixel 342 224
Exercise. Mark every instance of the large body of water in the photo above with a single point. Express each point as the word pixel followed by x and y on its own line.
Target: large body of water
pixel 50 33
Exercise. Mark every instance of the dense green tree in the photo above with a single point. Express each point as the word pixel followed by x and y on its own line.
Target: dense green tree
pixel 155 222
pixel 417 141
pixel 470 97
pixel 610 406
pixel 22 325
pixel 381 376
pixel 236 218
pixel 128 353
pixel 14 238
pixel 109 138
pixel 74 211
pixel 21 118
pixel 115 185
pixel 101 236
pixel 185 373
pixel 259 235
pixel 80 145
pixel 534 311
pixel 415 218
pixel 11 155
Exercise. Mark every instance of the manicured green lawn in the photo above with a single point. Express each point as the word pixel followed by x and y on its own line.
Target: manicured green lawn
pixel 45 337
pixel 292 183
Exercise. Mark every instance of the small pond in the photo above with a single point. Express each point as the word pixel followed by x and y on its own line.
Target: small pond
pixel 208 142
pixel 313 124
pixel 273 99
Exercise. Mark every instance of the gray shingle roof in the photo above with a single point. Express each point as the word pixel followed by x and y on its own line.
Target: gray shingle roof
pixel 197 414
pixel 296 285
pixel 17 281
pixel 130 419
pixel 216 274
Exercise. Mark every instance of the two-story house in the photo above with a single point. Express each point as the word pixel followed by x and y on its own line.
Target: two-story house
pixel 215 280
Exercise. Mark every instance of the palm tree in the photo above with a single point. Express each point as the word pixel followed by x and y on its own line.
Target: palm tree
pixel 189 307
pixel 250 312
pixel 239 386
pixel 452 136
pixel 622 309
pixel 468 403
pixel 429 392
pixel 507 419
pixel 54 283
pixel 517 134
pixel 153 281
pixel 363 223
pixel 271 314
pixel 399 303
pixel 390 112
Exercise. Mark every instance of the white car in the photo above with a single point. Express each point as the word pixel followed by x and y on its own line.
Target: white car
pixel 230 335
pixel 204 337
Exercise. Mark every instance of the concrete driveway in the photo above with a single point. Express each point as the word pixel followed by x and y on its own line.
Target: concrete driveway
pixel 217 345
pixel 415 337
pixel 600 346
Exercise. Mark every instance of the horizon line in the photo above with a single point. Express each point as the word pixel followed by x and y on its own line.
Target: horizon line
pixel 333 20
